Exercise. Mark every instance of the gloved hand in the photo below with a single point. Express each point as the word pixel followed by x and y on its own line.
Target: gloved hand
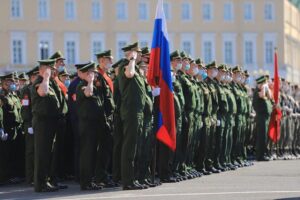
pixel 30 130
pixel 156 92
pixel 218 123
pixel 3 136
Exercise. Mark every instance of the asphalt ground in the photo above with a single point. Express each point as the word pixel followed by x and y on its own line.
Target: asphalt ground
pixel 265 180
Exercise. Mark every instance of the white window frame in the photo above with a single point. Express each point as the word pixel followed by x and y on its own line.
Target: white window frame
pixel 47 16
pixel 125 10
pixel 146 12
pixel 209 37
pixel 171 42
pixel 269 37
pixel 211 7
pixel 229 37
pixel 20 7
pixel 100 4
pixel 251 9
pixel 169 10
pixel 96 37
pixel 252 37
pixel 75 10
pixel 188 37
pixel 45 36
pixel 272 11
pixel 230 17
pixel 72 36
pixel 120 37
pixel 190 15
pixel 145 37
pixel 22 37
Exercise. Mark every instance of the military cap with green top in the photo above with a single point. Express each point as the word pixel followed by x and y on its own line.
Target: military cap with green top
pixel 73 75
pixel 145 51
pixel 57 56
pixel 104 54
pixel 211 65
pixel 246 73
pixel 64 73
pixel 16 75
pixel 33 71
pixel 120 63
pixel 261 79
pixel 222 67
pixel 23 76
pixel 183 55
pixel 175 55
pixel 47 62
pixel 236 69
pixel 8 76
pixel 89 66
pixel 200 63
pixel 132 47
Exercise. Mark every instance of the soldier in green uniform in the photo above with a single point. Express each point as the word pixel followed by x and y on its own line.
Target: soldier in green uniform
pixel 47 107
pixel 221 115
pixel 212 72
pixel 118 130
pixel 105 86
pixel 178 160
pixel 133 97
pixel 25 96
pixel 263 108
pixel 201 152
pixel 91 122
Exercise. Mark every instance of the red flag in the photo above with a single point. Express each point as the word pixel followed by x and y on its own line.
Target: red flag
pixel 159 74
pixel 274 125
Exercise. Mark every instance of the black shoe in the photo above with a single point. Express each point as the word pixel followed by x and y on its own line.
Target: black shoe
pixel 48 187
pixel 132 187
pixel 221 169
pixel 147 182
pixel 263 159
pixel 92 186
pixel 141 184
pixel 214 170
pixel 59 186
pixel 169 180
pixel 107 184
pixel 204 172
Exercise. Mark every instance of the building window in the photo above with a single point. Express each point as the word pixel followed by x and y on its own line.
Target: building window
pixel 43 9
pixel 143 11
pixel 207 51
pixel 187 47
pixel 186 11
pixel 45 40
pixel 120 45
pixel 16 9
pixel 269 11
pixel 122 39
pixel 248 11
pixel 249 52
pixel 96 10
pixel 228 11
pixel 122 11
pixel 207 11
pixel 97 44
pixel 70 10
pixel 44 49
pixel 228 52
pixel 72 47
pixel 269 47
pixel 18 51
pixel 167 10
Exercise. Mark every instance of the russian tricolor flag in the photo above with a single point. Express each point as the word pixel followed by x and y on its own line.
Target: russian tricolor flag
pixel 159 75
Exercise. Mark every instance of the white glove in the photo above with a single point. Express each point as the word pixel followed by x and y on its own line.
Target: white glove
pixel 3 136
pixel 218 123
pixel 156 92
pixel 30 130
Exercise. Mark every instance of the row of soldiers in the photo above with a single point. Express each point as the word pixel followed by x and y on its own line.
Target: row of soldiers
pixel 99 125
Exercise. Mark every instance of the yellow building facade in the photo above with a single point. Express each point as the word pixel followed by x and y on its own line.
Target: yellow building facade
pixel 243 32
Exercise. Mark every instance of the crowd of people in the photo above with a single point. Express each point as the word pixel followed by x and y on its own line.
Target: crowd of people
pixel 97 126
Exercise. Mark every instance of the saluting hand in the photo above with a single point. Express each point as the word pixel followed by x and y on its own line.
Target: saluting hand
pixel 133 55
pixel 90 77
pixel 47 74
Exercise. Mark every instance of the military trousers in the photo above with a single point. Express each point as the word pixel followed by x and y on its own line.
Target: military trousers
pixel 117 148
pixel 262 124
pixel 44 131
pixel 132 127
pixel 29 154
pixel 202 151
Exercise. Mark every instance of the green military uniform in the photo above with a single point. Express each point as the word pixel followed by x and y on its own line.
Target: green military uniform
pixel 118 128
pixel 25 96
pixel 104 161
pixel 133 97
pixel 91 122
pixel 46 112
pixel 263 109
pixel 212 132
